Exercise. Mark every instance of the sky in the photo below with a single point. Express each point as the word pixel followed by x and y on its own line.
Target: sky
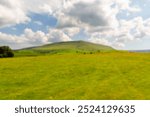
pixel 122 24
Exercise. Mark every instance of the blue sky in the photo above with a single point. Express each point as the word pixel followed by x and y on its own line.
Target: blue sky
pixel 38 22
pixel 122 24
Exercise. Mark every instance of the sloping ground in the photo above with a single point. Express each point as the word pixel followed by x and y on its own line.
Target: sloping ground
pixel 64 47
pixel 76 76
pixel 75 45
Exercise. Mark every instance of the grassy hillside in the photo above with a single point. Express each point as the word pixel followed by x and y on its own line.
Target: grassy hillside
pixel 64 47
pixel 112 75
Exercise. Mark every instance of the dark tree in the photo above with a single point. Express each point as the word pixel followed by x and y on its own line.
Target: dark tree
pixel 6 51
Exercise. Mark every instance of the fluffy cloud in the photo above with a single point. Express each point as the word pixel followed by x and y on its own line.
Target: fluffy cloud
pixel 10 39
pixel 39 37
pixel 31 38
pixel 11 12
pixel 13 41
pixel 133 29
pixel 56 35
pixel 100 41
pixel 128 30
pixel 17 11
pixel 126 5
pixel 68 12
pixel 35 38
pixel 95 13
pixel 87 14
pixel 97 18
pixel 43 6
pixel 71 31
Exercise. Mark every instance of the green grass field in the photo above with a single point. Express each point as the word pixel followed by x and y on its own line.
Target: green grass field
pixel 105 75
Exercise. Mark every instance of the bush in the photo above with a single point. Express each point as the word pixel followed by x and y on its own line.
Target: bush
pixel 10 54
pixel 6 51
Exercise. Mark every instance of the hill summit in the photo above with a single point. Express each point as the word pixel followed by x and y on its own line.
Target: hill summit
pixel 65 47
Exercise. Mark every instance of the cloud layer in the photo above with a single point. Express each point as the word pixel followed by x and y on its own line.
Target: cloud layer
pixel 98 19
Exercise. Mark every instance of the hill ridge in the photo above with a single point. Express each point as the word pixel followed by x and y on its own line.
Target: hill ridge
pixel 67 42
pixel 66 47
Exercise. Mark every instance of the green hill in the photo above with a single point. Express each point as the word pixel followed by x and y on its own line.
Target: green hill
pixel 64 47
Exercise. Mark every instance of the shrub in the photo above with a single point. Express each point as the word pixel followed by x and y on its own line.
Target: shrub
pixel 98 51
pixel 5 51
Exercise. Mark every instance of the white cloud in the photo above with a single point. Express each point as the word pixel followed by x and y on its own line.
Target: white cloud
pixel 46 8
pixel 128 30
pixel 102 41
pixel 17 11
pixel 126 5
pixel 68 12
pixel 57 35
pixel 11 13
pixel 71 31
pixel 31 38
pixel 65 21
pixel 39 37
pixel 87 14
pixel 137 28
pixel 10 39
pixel 118 45
pixel 13 41
pixel 35 38
pixel 43 6
pixel 97 18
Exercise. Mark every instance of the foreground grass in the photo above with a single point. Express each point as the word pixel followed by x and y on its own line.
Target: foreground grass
pixel 76 76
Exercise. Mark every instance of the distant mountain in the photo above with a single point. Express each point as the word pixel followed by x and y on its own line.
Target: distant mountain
pixel 139 51
pixel 64 47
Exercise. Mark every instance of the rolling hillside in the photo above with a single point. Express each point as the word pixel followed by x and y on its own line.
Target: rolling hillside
pixel 75 70
pixel 63 47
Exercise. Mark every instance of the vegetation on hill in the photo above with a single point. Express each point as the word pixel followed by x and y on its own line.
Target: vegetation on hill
pixel 64 47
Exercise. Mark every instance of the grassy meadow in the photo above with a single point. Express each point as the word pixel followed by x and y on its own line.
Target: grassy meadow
pixel 104 75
